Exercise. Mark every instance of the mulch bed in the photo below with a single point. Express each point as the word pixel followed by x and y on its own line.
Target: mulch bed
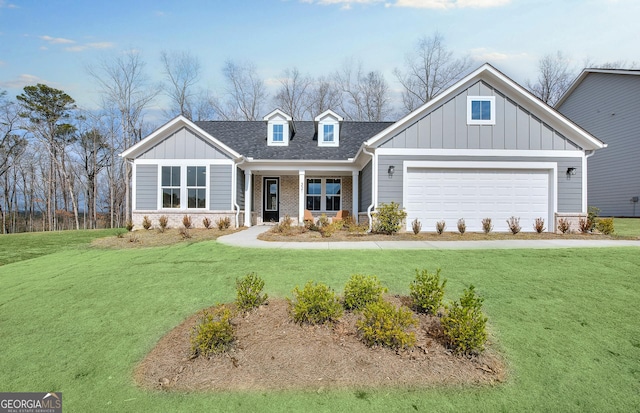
pixel 271 352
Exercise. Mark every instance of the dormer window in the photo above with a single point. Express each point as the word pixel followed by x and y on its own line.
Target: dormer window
pixel 278 128
pixel 328 128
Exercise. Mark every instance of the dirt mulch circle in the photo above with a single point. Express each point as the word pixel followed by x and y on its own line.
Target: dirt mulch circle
pixel 273 353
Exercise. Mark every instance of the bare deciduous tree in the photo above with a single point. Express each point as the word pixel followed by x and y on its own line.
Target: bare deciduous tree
pixel 126 87
pixel 292 96
pixel 245 93
pixel 182 71
pixel 364 94
pixel 323 94
pixel 554 78
pixel 429 70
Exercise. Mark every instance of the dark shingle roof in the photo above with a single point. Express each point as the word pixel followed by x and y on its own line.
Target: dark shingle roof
pixel 249 138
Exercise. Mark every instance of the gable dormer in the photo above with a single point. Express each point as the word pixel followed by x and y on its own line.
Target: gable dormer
pixel 328 128
pixel 278 128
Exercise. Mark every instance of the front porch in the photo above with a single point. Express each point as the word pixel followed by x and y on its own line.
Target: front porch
pixel 274 195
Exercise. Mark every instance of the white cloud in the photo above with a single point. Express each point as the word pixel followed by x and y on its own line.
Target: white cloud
pixel 56 40
pixel 449 4
pixel 87 46
pixel 5 5
pixel 22 81
pixel 345 4
pixel 485 55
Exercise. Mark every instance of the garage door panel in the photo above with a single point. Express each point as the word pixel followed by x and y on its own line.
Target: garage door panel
pixel 473 194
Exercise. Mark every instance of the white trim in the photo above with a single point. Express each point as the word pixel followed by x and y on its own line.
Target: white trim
pixel 183 162
pixel 355 190
pixel 482 152
pixel 323 193
pixel 552 167
pixel 134 187
pixel 248 200
pixel 492 114
pixel 184 199
pixel 293 168
pixel 301 197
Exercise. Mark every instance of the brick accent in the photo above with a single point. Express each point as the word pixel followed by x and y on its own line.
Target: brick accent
pixel 175 219
pixel 573 218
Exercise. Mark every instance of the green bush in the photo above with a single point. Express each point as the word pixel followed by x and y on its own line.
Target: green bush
pixel 464 324
pixel 384 324
pixel 315 304
pixel 605 225
pixel 249 292
pixel 213 334
pixel 362 290
pixel 427 291
pixel 388 218
pixel 328 230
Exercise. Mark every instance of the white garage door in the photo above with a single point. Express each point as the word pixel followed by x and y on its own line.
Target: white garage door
pixel 435 194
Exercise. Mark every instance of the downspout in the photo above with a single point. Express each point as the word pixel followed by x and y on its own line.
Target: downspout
pixel 235 189
pixel 373 187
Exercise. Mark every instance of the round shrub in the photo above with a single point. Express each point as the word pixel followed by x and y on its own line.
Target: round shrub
pixel 464 324
pixel 388 218
pixel 384 324
pixel 427 291
pixel 362 290
pixel 213 334
pixel 314 304
pixel 249 292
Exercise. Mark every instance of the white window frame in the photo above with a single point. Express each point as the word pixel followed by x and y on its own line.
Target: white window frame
pixel 196 187
pixel 323 193
pixel 492 112
pixel 184 190
pixel 336 133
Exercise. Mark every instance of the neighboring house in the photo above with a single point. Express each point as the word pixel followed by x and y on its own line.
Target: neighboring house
pixel 606 103
pixel 483 148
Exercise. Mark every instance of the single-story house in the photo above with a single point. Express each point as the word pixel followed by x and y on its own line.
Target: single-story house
pixel 606 103
pixel 483 148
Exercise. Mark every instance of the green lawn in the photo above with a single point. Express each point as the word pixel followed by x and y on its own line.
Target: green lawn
pixel 79 320
pixel 627 227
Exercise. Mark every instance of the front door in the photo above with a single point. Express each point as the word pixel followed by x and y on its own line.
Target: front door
pixel 271 190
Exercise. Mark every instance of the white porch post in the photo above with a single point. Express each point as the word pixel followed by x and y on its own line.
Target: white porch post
pixel 248 197
pixel 355 190
pixel 301 198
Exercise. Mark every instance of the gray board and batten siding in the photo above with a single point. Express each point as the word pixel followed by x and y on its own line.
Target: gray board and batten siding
pixel 607 105
pixel 446 127
pixel 183 144
pixel 220 187
pixel 364 186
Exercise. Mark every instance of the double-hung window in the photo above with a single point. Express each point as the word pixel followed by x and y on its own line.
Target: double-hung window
pixel 196 186
pixel 324 194
pixel 184 187
pixel 278 133
pixel 171 187
pixel 481 110
pixel 327 136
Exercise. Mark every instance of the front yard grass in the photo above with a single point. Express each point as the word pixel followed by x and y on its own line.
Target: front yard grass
pixel 627 227
pixel 79 321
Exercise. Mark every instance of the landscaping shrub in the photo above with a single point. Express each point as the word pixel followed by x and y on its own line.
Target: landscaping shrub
pixel 163 221
pixel 487 227
pixel 206 222
pixel 186 221
pixel 464 324
pixel 605 225
pixel 388 218
pixel 462 227
pixel 538 225
pixel 514 225
pixel 384 324
pixel 361 290
pixel 427 291
pixel 329 229
pixel 129 226
pixel 184 233
pixel 249 292
pixel 120 233
pixel 416 226
pixel 355 228
pixel 223 223
pixel 323 221
pixel 584 225
pixel 564 225
pixel 314 304
pixel 440 227
pixel 592 217
pixel 146 222
pixel 213 334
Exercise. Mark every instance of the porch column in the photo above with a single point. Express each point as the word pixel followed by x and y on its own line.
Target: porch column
pixel 354 196
pixel 301 197
pixel 248 197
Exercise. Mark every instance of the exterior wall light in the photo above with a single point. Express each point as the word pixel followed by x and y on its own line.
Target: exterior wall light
pixel 391 170
pixel 571 171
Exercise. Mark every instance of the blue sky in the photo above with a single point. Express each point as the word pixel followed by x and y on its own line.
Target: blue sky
pixel 53 41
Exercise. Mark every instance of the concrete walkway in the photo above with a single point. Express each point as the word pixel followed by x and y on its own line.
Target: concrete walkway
pixel 248 238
